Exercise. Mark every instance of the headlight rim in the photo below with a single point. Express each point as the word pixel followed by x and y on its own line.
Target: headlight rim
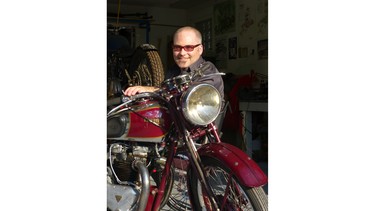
pixel 185 101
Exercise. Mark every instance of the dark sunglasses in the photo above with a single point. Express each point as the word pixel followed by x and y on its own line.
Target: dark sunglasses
pixel 187 48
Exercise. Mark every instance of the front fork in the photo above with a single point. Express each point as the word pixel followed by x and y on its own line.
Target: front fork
pixel 197 166
pixel 166 175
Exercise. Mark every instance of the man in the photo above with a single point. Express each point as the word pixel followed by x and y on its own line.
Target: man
pixel 187 53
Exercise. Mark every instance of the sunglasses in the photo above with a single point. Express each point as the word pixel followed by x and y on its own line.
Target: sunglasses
pixel 187 48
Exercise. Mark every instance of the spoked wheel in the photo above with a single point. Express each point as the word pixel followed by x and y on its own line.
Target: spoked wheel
pixel 146 67
pixel 229 193
pixel 179 197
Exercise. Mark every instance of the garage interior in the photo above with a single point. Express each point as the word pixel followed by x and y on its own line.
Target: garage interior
pixel 235 40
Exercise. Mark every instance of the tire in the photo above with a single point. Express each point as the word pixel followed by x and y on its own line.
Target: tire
pixel 240 197
pixel 146 67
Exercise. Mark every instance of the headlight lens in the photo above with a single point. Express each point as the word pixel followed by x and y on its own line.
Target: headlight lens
pixel 201 104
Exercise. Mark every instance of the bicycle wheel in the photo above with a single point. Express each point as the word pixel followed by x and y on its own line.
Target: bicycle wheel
pixel 229 193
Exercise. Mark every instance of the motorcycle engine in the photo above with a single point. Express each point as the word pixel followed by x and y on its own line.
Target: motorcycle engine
pixel 121 159
pixel 123 186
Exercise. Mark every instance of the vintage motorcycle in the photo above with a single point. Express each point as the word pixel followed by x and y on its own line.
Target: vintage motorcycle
pixel 148 132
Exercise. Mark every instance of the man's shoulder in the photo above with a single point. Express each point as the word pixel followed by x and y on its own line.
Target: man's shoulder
pixel 209 66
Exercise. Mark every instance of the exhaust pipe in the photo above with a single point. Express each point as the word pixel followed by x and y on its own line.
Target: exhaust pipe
pixel 145 177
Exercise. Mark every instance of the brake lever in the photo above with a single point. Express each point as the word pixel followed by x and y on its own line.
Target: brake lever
pixel 125 98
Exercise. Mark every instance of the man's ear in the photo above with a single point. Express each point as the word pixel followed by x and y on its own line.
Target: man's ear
pixel 201 48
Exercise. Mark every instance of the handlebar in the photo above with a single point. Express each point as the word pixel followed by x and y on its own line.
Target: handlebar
pixel 199 73
pixel 120 102
pixel 117 100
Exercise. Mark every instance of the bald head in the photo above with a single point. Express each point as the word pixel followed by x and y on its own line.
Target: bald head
pixel 191 30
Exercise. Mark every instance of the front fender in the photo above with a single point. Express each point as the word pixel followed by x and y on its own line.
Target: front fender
pixel 243 167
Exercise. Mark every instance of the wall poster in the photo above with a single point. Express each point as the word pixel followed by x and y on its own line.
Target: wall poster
pixel 232 43
pixel 263 49
pixel 224 17
pixel 221 46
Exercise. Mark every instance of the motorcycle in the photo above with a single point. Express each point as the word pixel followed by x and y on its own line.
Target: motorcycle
pixel 149 136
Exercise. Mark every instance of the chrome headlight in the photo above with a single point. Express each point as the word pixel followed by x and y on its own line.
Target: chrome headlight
pixel 201 104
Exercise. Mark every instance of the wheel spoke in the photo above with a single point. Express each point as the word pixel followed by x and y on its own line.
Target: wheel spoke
pixel 227 191
pixel 179 198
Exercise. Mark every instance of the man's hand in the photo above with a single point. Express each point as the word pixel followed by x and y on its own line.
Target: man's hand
pixel 130 91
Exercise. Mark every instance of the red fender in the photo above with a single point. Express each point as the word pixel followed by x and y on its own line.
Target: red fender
pixel 244 168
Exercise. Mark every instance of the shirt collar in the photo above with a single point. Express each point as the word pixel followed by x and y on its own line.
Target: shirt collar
pixel 197 64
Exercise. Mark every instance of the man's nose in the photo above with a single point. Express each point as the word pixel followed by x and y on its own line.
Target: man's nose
pixel 183 51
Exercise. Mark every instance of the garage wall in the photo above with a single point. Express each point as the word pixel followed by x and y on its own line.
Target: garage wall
pixel 249 37
pixel 251 27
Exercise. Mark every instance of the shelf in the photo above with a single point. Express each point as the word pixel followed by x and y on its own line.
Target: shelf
pixel 253 106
